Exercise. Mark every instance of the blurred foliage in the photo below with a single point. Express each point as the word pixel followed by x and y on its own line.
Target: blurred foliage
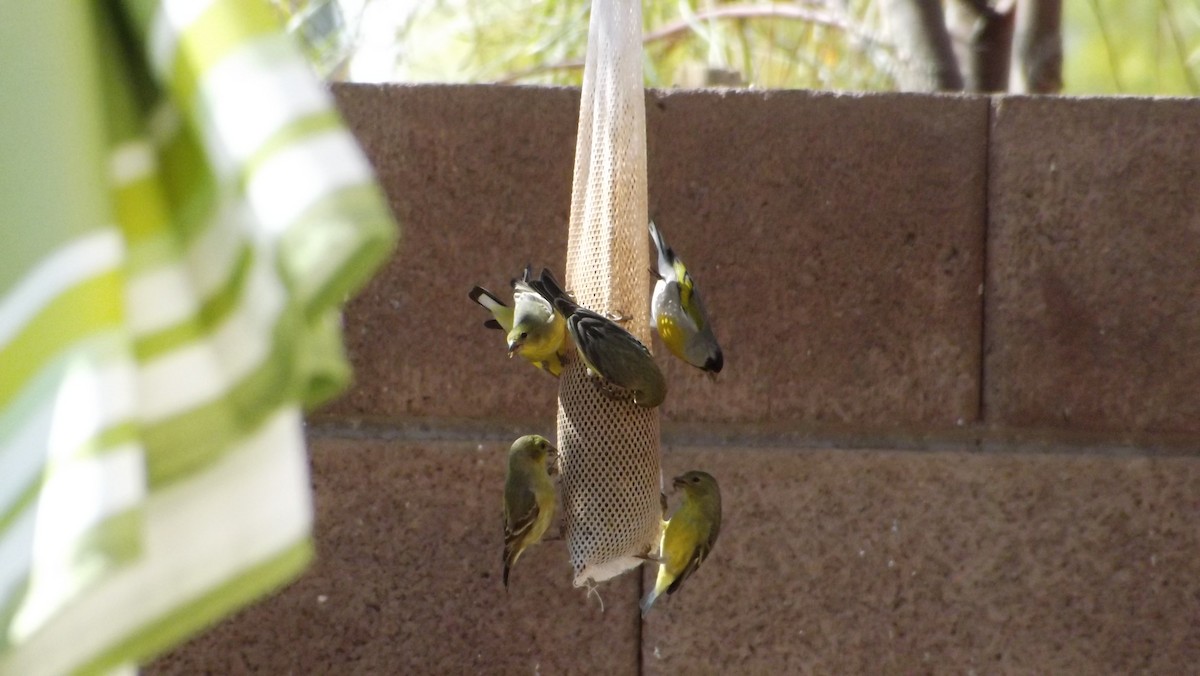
pixel 812 44
pixel 1110 46
pixel 327 38
pixel 827 44
pixel 1132 46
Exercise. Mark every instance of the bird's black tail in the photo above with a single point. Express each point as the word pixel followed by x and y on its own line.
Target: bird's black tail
pixel 551 290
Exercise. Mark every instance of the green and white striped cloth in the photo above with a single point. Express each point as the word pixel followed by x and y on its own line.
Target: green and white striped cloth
pixel 181 215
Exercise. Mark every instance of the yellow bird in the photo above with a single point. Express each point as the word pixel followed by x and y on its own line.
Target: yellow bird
pixel 689 536
pixel 533 329
pixel 528 496
pixel 679 314
pixel 608 350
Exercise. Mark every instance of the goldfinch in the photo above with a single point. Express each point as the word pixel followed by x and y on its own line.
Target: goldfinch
pixel 689 535
pixel 528 497
pixel 533 329
pixel 609 351
pixel 679 314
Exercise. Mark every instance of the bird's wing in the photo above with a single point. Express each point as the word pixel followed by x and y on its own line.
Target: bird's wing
pixel 587 329
pixel 666 257
pixel 592 332
pixel 689 297
pixel 698 555
pixel 517 525
pixel 525 293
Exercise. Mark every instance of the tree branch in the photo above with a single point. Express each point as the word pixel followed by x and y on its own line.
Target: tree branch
pixel 674 31
pixel 1037 48
pixel 982 36
pixel 679 30
pixel 918 29
pixel 540 69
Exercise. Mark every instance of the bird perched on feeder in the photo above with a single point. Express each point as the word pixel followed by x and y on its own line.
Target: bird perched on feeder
pixel 679 314
pixel 689 536
pixel 528 496
pixel 532 327
pixel 609 351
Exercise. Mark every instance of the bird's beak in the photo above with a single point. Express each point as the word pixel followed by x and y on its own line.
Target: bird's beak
pixel 678 482
pixel 512 348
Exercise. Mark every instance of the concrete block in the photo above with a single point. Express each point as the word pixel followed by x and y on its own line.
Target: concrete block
pixel 1094 237
pixel 837 241
pixel 407 580
pixel 480 180
pixel 878 562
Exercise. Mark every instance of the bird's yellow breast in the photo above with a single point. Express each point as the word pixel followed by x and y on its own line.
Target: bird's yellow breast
pixel 542 344
pixel 672 336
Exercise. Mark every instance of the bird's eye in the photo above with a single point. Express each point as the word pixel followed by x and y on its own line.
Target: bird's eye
pixel 524 335
pixel 695 479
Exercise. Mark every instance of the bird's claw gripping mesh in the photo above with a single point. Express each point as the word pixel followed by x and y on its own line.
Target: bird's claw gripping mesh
pixel 611 477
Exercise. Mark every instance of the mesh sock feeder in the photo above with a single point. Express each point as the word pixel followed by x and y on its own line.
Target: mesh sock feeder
pixel 611 470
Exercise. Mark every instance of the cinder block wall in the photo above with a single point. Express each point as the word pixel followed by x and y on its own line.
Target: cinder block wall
pixel 958 428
